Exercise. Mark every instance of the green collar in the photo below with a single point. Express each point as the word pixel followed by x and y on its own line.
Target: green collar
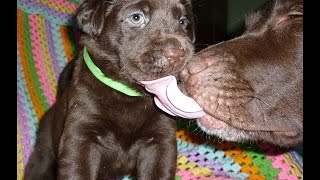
pixel 108 81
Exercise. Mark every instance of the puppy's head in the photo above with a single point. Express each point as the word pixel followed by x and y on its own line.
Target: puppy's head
pixel 139 39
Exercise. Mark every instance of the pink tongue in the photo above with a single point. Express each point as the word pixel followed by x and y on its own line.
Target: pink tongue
pixel 171 100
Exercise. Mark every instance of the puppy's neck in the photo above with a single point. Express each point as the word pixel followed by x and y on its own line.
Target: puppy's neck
pixel 116 85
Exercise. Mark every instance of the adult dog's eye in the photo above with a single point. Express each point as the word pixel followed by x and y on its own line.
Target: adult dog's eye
pixel 136 19
pixel 183 21
pixel 290 17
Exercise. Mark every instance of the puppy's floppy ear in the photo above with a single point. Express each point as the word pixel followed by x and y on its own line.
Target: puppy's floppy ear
pixel 190 15
pixel 90 16
pixel 193 36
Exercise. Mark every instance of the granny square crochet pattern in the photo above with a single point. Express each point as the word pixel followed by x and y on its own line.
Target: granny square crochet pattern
pixel 46 41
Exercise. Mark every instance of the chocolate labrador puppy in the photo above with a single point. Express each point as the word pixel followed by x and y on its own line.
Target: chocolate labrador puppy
pixel 251 86
pixel 94 131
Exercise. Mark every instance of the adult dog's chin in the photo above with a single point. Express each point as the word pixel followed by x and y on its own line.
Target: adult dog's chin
pixel 225 131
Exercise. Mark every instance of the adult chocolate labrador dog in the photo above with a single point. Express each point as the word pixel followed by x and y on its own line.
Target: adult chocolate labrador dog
pixel 104 124
pixel 251 86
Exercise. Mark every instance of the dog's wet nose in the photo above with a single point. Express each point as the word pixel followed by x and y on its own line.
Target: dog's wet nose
pixel 174 53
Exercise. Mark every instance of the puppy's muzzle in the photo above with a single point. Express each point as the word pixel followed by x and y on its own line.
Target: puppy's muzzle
pixel 169 57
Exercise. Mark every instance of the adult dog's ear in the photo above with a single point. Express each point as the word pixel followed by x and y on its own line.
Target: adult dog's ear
pixel 90 16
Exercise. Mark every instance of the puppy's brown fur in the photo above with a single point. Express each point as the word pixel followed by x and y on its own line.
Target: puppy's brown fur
pixel 96 132
pixel 253 83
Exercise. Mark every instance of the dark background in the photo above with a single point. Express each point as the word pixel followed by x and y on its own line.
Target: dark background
pixel 219 20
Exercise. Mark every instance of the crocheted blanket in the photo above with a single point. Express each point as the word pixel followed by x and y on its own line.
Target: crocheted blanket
pixel 46 41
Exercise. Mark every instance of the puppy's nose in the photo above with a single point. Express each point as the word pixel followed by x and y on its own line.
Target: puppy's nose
pixel 174 53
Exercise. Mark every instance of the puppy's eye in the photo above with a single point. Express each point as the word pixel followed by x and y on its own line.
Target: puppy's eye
pixel 183 21
pixel 136 19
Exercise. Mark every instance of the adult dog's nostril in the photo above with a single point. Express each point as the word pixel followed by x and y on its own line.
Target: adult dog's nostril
pixel 174 52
